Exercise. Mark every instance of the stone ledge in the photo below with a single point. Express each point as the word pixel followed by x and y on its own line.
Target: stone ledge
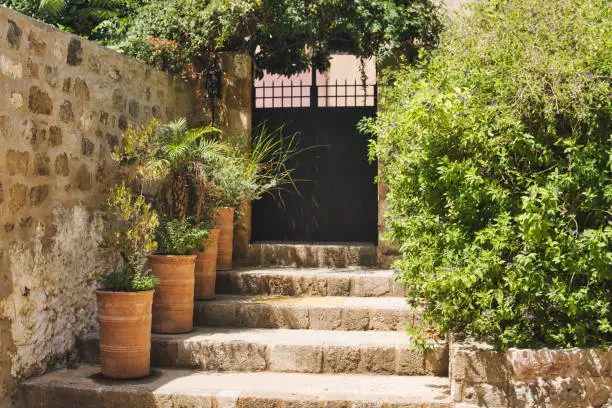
pixel 310 255
pixel 309 282
pixel 283 350
pixel 317 313
pixel 482 376
pixel 84 387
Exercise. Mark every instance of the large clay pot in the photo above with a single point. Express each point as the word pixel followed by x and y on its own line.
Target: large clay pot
pixel 125 333
pixel 206 268
pixel 224 220
pixel 173 300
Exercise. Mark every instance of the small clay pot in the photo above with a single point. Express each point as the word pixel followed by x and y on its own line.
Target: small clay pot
pixel 125 333
pixel 174 296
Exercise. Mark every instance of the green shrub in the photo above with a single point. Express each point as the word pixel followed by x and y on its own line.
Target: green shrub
pixel 130 236
pixel 178 237
pixel 498 153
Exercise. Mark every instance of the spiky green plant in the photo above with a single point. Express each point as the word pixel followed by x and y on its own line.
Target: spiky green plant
pixel 179 237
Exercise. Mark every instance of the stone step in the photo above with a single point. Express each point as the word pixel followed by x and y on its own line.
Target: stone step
pixel 317 313
pixel 84 387
pixel 309 282
pixel 310 255
pixel 283 350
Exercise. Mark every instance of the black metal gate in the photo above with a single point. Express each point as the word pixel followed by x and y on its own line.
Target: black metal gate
pixel 337 202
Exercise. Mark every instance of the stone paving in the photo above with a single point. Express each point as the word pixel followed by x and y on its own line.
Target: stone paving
pixel 274 338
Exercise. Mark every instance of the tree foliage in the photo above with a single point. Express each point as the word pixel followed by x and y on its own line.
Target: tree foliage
pixel 498 153
pixel 104 21
pixel 282 36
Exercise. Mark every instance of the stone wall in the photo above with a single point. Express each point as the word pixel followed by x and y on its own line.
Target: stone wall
pixel 64 104
pixel 576 378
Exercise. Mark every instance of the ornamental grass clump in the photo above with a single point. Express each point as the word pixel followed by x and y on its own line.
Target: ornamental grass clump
pixel 497 150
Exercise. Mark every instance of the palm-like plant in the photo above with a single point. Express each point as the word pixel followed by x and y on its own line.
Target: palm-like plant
pixel 57 8
pixel 175 156
pixel 183 154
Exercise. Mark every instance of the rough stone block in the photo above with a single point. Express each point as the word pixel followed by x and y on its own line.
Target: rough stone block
pixel 84 180
pixel 384 320
pixel 30 69
pixel 410 362
pixel 10 68
pixel 41 165
pixel 355 319
pixel 51 76
pixel 118 99
pixel 339 286
pixel 87 147
pixel 437 361
pixel 293 317
pixel 81 90
pixel 281 285
pixel 370 286
pixel 123 123
pixel 341 359
pixel 17 193
pixel 38 195
pixel 213 314
pixel 13 35
pixel 66 114
pixel 292 358
pixel 223 356
pixel 325 318
pixel 36 47
pixel 62 167
pixel 134 109
pixel 310 286
pixel 55 136
pixel 17 162
pixel 375 359
pixel 16 100
pixel 67 85
pixel 39 101
pixel 74 55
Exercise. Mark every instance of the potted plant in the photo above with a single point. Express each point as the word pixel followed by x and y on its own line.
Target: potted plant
pixel 228 176
pixel 206 262
pixel 245 174
pixel 172 158
pixel 126 297
pixel 173 265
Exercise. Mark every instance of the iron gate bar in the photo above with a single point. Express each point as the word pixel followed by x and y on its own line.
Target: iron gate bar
pixel 364 95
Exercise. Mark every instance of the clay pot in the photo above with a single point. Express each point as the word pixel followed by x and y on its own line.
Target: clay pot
pixel 224 221
pixel 125 333
pixel 206 268
pixel 173 300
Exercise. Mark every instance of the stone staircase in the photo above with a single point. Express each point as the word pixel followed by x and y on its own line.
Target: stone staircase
pixel 274 338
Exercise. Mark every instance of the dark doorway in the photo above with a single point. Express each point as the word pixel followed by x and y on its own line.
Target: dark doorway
pixel 338 201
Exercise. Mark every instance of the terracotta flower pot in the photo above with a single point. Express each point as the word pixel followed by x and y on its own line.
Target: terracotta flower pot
pixel 225 223
pixel 173 300
pixel 125 333
pixel 206 268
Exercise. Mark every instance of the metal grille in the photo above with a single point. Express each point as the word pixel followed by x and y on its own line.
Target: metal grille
pixel 336 94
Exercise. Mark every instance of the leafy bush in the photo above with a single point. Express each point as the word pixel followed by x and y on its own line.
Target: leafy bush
pixel 184 37
pixel 104 21
pixel 498 155
pixel 178 237
pixel 131 236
